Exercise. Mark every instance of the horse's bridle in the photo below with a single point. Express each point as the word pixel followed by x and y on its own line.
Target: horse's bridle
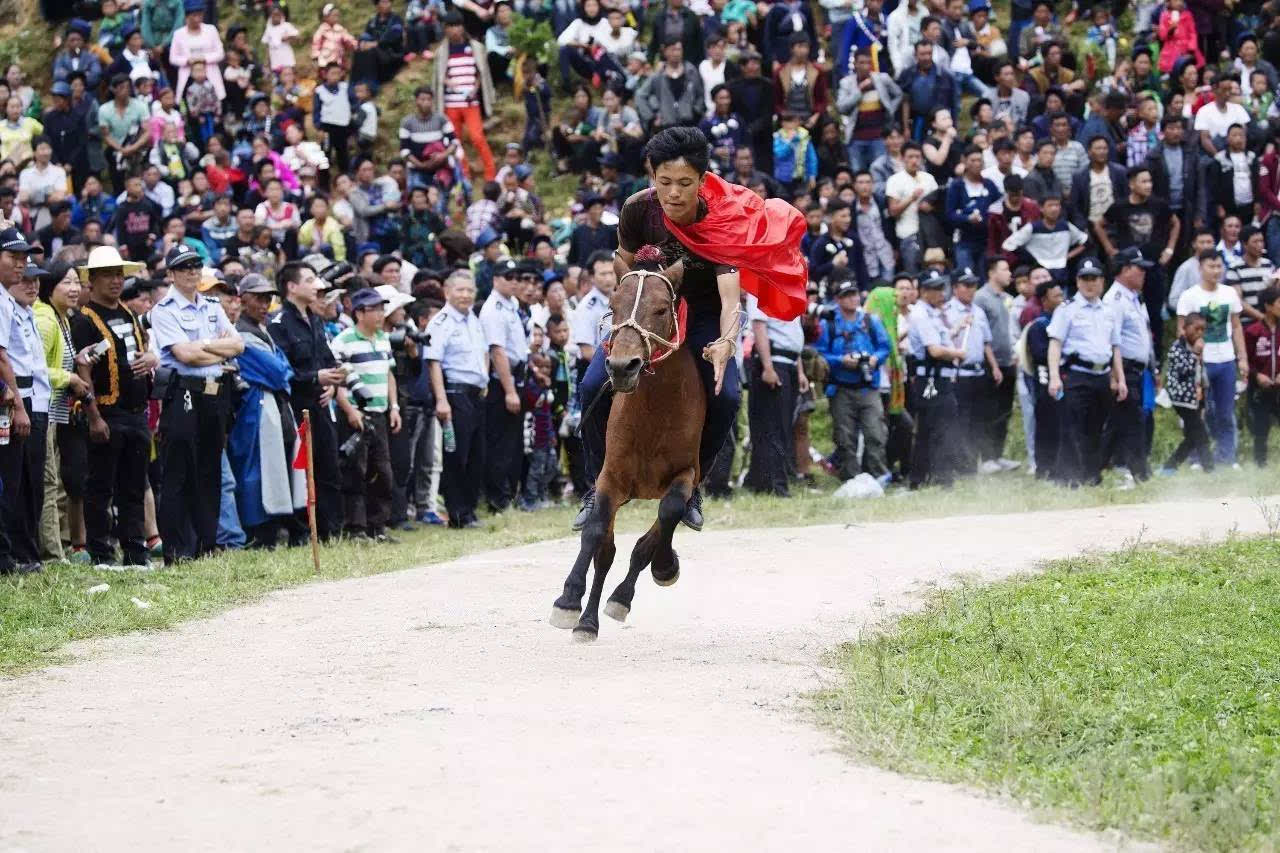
pixel 647 336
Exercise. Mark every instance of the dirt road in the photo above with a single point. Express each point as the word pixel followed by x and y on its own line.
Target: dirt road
pixel 435 708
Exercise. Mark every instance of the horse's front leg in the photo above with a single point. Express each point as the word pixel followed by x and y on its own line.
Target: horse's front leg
pixel 666 565
pixel 601 527
pixel 619 604
pixel 568 607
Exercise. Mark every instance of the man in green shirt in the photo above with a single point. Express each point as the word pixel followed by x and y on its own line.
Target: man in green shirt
pixel 122 121
pixel 369 413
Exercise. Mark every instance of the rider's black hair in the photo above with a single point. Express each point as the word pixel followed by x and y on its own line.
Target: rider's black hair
pixel 677 143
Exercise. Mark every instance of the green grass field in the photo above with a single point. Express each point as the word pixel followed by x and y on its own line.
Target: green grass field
pixel 1135 691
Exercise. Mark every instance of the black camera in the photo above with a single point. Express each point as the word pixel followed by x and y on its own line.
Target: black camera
pixel 864 367
pixel 361 393
pixel 398 337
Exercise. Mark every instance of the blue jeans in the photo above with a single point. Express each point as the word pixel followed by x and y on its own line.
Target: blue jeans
pixel 970 83
pixel 863 152
pixel 722 409
pixel 973 256
pixel 230 533
pixel 1221 398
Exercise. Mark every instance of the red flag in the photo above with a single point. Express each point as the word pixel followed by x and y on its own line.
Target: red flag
pixel 760 237
pixel 300 458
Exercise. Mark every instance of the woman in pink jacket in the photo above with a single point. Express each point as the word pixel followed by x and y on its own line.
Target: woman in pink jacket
pixel 1177 32
pixel 197 40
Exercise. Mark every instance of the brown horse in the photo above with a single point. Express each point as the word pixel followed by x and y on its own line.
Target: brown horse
pixel 655 426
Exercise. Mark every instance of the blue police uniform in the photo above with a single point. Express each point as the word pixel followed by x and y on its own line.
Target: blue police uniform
pixel 1089 335
pixel 588 325
pixel 458 344
pixel 932 400
pixel 855 391
pixel 504 431
pixel 196 408
pixel 771 411
pixel 22 460
pixel 971 379
pixel 1126 431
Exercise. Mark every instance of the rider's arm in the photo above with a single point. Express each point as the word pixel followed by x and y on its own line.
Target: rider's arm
pixel 730 287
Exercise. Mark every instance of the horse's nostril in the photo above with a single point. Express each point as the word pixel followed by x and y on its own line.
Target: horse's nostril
pixel 626 367
pixel 634 364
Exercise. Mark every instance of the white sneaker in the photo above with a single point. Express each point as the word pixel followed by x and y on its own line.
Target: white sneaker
pixel 1195 466
pixel 1031 469
pixel 990 467
pixel 1235 466
pixel 1008 464
pixel 1126 483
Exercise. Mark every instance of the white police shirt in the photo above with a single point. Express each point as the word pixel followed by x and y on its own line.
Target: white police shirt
pixel 975 338
pixel 587 326
pixel 457 342
pixel 21 341
pixel 504 327
pixel 178 320
pixel 1135 324
pixel 1087 330
pixel 927 329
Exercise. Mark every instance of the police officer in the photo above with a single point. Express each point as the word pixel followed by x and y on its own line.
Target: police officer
pixel 931 364
pixel 777 378
pixel 457 358
pixel 588 332
pixel 1047 418
pixel 23 471
pixel 298 330
pixel 1126 432
pixel 1085 368
pixel 195 340
pixel 970 333
pixel 508 344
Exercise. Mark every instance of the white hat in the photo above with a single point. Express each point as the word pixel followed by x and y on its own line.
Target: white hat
pixel 107 257
pixel 393 297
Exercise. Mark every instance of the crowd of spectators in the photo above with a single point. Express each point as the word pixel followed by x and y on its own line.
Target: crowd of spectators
pixel 206 234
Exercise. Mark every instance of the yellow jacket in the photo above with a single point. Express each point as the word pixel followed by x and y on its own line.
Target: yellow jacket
pixel 54 344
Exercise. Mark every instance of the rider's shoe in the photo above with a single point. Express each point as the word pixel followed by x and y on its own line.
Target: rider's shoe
pixel 588 504
pixel 693 511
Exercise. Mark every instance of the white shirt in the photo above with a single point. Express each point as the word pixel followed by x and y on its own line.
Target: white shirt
pixel 1217 121
pixel 587 328
pixel 712 76
pixel 1217 306
pixel 904 32
pixel 900 186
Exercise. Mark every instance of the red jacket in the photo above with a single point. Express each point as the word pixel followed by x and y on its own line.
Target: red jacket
pixel 1269 185
pixel 1262 344
pixel 1177 41
pixel 1000 225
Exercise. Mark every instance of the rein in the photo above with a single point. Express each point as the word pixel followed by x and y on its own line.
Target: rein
pixel 649 338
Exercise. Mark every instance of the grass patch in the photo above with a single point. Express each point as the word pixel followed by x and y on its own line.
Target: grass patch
pixel 1136 691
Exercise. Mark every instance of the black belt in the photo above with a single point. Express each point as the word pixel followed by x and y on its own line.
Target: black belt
pixel 25 381
pixel 210 386
pixel 462 388
pixel 1134 364
pixel 775 352
pixel 1077 363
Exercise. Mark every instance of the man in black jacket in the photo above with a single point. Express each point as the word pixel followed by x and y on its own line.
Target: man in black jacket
pixel 675 18
pixel 1084 209
pixel 753 96
pixel 1175 174
pixel 66 133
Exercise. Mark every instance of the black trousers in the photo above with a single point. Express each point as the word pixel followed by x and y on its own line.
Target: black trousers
pixel 936 417
pixel 366 476
pixel 73 459
pixel 463 469
pixel 1195 439
pixel 340 144
pixel 324 454
pixel 405 448
pixel 504 449
pixel 1087 401
pixel 193 431
pixel 970 427
pixel 1048 434
pixel 1125 435
pixel 771 421
pixel 117 477
pixel 996 410
pixel 1263 408
pixel 22 471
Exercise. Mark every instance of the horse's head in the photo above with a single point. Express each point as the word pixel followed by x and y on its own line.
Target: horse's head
pixel 645 327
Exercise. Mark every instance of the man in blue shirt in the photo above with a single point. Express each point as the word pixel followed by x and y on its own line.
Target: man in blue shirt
pixel 855 345
pixel 926 87
pixel 969 197
pixel 1086 370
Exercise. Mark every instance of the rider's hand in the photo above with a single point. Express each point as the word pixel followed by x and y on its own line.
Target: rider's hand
pixel 718 354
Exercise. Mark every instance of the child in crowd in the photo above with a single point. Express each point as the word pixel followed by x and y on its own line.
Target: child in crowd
pixel 279 36
pixel 1102 33
pixel 795 162
pixel 1184 381
pixel 111 30
pixel 540 433
pixel 497 43
pixel 365 118
pixel 203 104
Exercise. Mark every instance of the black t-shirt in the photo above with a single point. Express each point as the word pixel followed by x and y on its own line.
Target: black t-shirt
pixel 640 223
pixel 1144 225
pixel 114 384
pixel 136 222
pixel 947 170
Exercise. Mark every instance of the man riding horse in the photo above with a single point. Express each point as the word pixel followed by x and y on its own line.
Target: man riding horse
pixel 727 239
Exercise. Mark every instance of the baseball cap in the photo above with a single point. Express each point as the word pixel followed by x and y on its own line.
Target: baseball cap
pixel 255 283
pixel 1131 256
pixel 366 297
pixel 845 287
pixel 32 270
pixel 182 256
pixel 486 237
pixel 523 171
pixel 11 240
pixel 1089 268
pixel 60 87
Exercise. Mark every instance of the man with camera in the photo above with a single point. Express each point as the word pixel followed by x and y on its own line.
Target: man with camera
pixel 298 330
pixel 411 447
pixel 855 345
pixel 508 343
pixel 195 341
pixel 370 412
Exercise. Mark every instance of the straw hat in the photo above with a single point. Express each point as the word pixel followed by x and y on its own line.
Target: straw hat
pixel 107 257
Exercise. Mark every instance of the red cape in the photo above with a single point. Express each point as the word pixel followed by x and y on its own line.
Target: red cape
pixel 759 237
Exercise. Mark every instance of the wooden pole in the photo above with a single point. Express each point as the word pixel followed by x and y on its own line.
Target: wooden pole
pixel 311 493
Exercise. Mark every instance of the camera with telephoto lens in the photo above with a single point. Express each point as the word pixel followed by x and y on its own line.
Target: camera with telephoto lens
pixel 397 337
pixel 867 372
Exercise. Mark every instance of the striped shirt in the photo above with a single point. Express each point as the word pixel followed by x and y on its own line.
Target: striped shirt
pixel 1070 159
pixel 461 77
pixel 371 360
pixel 1251 280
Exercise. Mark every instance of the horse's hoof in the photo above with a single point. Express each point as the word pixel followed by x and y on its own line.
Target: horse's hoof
pixel 564 618
pixel 667 581
pixel 616 610
pixel 584 635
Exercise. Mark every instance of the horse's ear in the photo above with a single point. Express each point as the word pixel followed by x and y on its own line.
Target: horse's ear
pixel 675 273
